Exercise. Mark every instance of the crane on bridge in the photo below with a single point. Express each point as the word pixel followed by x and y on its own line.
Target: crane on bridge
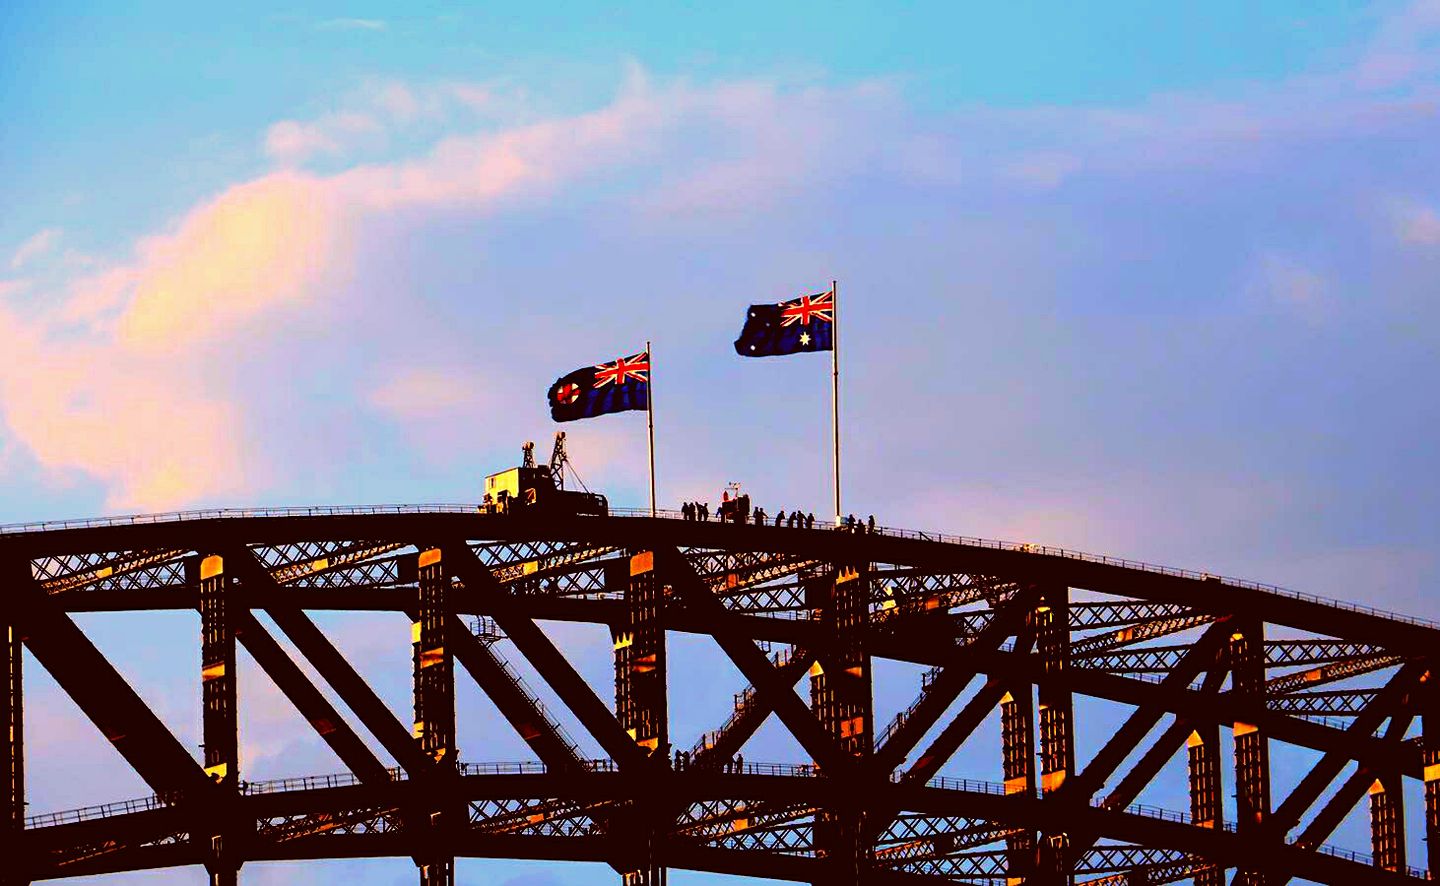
pixel 540 487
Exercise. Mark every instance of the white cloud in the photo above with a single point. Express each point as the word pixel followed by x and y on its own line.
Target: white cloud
pixel 235 309
pixel 34 247
pixel 292 142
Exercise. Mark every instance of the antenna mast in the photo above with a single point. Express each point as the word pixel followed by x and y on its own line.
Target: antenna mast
pixel 558 460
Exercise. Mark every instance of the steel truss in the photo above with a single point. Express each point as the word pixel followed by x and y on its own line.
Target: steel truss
pixel 1030 638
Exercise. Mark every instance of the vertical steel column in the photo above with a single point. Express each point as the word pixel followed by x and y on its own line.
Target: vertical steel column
pixel 12 712
pixel 1252 752
pixel 1387 824
pixel 841 699
pixel 435 709
pixel 1017 749
pixel 641 705
pixel 1206 799
pixel 220 721
pixel 1428 697
pixel 640 701
pixel 1051 621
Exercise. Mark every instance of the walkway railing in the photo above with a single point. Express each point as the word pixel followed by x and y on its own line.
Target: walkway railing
pixel 895 532
pixel 788 770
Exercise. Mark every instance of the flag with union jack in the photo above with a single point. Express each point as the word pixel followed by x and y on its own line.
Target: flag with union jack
pixel 601 389
pixel 797 326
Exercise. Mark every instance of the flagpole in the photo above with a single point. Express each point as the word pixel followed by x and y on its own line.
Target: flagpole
pixel 835 389
pixel 650 420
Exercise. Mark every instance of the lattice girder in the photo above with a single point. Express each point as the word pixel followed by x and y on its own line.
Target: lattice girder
pixel 745 586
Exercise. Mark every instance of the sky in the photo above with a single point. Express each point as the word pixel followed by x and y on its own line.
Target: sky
pixel 1151 281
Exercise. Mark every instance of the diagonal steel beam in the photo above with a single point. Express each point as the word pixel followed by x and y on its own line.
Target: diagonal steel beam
pixel 1154 759
pixel 551 664
pixel 950 682
pixel 1339 805
pixel 1202 655
pixel 726 742
pixel 101 692
pixel 1219 708
pixel 308 700
pixel 522 712
pixel 753 663
pixel 1159 753
pixel 331 664
pixel 1319 777
pixel 985 700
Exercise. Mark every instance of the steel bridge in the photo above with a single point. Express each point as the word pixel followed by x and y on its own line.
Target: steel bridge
pixel 1034 632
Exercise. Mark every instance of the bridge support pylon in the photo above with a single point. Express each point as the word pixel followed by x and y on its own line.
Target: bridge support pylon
pixel 1202 750
pixel 1252 747
pixel 1430 760
pixel 434 670
pixel 12 713
pixel 220 724
pixel 1057 725
pixel 641 708
pixel 840 696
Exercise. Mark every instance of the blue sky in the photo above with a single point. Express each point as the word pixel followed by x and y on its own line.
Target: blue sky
pixel 1129 278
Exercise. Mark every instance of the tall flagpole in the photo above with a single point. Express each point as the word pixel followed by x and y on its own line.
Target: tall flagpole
pixel 835 388
pixel 650 420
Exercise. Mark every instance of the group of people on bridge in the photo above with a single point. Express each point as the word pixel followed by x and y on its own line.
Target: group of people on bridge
pixel 683 760
pixel 737 510
pixel 695 510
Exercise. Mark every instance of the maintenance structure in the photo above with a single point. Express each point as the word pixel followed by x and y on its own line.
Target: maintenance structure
pixel 802 614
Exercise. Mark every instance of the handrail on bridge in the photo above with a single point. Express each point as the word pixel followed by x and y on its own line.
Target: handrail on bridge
pixel 895 532
pixel 790 770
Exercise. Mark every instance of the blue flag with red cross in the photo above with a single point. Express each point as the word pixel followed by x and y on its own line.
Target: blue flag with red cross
pixel 601 389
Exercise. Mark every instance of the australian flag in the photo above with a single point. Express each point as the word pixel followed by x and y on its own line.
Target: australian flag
pixel 803 324
pixel 601 389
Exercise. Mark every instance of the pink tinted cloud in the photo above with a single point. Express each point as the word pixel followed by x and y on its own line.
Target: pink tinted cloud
pixel 425 393
pixel 238 269
pixel 291 142
pixel 1419 226
pixel 115 378
pixel 36 246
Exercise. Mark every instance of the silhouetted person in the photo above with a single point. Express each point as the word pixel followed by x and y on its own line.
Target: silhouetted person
pixel 780 518
pixel 705 511
pixel 810 520
pixel 870 525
